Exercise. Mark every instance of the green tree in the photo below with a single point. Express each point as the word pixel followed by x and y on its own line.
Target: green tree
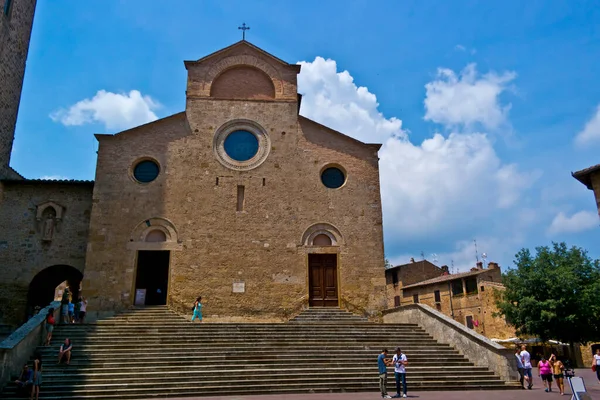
pixel 387 264
pixel 554 295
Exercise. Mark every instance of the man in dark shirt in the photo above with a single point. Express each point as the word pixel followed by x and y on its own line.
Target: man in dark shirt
pixel 383 363
pixel 25 380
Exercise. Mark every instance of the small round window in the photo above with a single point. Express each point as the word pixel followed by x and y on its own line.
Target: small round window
pixel 333 177
pixel 145 171
pixel 241 145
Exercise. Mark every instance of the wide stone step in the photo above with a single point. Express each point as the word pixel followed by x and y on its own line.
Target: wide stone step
pixel 68 373
pixel 145 369
pixel 125 391
pixel 225 378
pixel 98 350
pixel 189 361
pixel 250 338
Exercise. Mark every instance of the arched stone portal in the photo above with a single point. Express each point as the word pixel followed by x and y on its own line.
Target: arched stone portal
pixel 43 285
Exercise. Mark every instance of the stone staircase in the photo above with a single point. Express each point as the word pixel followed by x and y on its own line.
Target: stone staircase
pixel 152 352
pixel 327 314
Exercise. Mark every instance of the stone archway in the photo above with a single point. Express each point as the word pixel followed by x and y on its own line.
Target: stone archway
pixel 43 285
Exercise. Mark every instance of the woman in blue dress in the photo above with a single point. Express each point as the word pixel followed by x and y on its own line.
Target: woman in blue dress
pixel 197 309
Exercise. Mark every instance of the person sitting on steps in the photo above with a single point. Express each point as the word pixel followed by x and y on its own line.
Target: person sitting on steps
pixel 65 351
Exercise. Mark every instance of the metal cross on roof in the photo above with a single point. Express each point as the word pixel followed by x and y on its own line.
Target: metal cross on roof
pixel 244 28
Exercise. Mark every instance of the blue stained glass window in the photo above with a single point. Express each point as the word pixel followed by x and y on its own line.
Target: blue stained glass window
pixel 333 178
pixel 146 171
pixel 241 145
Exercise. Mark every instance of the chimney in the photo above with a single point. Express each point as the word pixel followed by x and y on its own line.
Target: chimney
pixel 493 265
pixel 412 260
pixel 475 269
pixel 444 269
pixel 479 265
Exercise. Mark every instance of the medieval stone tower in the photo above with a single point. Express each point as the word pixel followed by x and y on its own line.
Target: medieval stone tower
pixel 16 21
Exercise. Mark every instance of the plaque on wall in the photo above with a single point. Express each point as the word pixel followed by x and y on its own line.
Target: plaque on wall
pixel 239 287
pixel 140 297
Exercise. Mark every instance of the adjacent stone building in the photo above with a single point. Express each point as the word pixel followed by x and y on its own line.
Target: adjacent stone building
pixel 590 177
pixel 237 199
pixel 16 22
pixel 467 297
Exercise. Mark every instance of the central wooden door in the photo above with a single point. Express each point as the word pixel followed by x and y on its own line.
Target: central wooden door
pixel 322 286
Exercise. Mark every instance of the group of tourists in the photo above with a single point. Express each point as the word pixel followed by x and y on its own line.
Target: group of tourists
pixel 549 369
pixel 399 361
pixel 73 313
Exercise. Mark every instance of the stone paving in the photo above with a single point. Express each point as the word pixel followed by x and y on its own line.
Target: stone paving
pixel 536 393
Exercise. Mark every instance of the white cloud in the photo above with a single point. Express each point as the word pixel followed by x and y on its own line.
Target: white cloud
pixel 114 110
pixel 467 99
pixel 460 47
pixel 435 188
pixel 591 131
pixel 333 99
pixel 578 222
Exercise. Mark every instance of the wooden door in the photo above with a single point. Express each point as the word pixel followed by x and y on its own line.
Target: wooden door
pixel 323 290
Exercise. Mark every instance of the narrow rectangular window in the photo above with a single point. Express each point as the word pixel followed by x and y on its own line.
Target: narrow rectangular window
pixel 469 321
pixel 483 288
pixel 438 298
pixel 7 7
pixel 217 181
pixel 264 181
pixel 415 298
pixel 457 287
pixel 395 278
pixel 240 198
pixel 396 301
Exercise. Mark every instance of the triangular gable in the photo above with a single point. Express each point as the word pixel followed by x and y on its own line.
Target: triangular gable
pixel 241 43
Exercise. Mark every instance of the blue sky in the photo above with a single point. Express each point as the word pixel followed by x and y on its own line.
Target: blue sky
pixel 484 109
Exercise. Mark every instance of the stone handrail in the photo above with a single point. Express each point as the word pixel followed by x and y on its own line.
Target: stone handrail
pixel 480 350
pixel 17 349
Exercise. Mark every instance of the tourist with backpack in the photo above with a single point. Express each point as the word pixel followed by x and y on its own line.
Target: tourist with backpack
pixel 197 309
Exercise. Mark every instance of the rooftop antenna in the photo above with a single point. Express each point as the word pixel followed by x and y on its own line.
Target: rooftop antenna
pixel 484 257
pixel 452 266
pixel 422 255
pixel 476 254
pixel 435 258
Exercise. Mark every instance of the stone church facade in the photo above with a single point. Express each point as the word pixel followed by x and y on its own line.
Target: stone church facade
pixel 238 199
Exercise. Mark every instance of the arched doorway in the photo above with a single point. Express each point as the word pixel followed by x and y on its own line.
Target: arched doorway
pixel 43 286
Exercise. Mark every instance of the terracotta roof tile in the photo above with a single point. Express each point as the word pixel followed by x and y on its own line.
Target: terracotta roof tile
pixel 445 278
pixel 69 181
pixel 584 176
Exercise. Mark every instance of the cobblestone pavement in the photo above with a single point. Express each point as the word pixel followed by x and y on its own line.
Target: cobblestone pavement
pixel 536 393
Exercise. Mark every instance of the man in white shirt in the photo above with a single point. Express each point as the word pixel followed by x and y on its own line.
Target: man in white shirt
pixel 526 360
pixel 400 363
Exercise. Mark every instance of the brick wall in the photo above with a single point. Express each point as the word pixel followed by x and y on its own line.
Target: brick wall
pixel 23 253
pixel 480 305
pixel 216 245
pixel 15 31
pixel 407 274
pixel 243 83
